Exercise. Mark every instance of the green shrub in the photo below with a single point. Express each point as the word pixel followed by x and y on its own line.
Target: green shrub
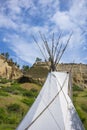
pixel 81 114
pixel 33 90
pixel 84 107
pixel 7 127
pixel 2 93
pixel 29 101
pixel 2 115
pixel 77 88
pixel 13 89
pixel 4 80
pixel 8 89
pixel 15 84
pixel 27 94
pixel 13 108
pixel 83 119
pixel 75 94
pixel 12 119
pixel 84 95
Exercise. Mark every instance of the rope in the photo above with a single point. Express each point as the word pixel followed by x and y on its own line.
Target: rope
pixel 46 106
pixel 62 92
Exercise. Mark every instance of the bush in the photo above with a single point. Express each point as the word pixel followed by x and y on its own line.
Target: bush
pixel 2 115
pixel 84 107
pixel 8 89
pixel 28 102
pixel 14 89
pixel 4 80
pixel 85 95
pixel 12 119
pixel 75 94
pixel 80 113
pixel 30 93
pixel 83 119
pixel 27 94
pixel 3 93
pixel 13 108
pixel 77 88
pixel 33 90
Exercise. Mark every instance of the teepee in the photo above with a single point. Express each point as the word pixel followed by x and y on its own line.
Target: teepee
pixel 53 109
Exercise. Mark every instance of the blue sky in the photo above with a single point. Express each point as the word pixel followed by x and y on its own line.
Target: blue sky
pixel 19 19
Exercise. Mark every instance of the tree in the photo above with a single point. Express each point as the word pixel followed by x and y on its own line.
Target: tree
pixel 6 55
pixel 2 54
pixel 38 60
pixel 25 68
pixel 18 65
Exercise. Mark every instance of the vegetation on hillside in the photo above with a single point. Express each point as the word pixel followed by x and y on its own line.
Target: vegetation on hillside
pixel 80 102
pixel 17 98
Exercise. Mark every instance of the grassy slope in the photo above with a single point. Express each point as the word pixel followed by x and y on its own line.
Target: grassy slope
pixel 16 99
pixel 80 103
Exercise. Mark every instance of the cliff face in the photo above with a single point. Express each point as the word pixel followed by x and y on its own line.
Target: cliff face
pixel 78 71
pixel 8 69
pixel 40 71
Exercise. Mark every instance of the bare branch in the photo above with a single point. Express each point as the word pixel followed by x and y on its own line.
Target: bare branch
pixel 58 53
pixel 55 52
pixel 64 47
pixel 46 44
pixel 58 41
pixel 39 47
pixel 53 46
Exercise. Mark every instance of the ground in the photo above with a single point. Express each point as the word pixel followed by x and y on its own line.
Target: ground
pixel 17 98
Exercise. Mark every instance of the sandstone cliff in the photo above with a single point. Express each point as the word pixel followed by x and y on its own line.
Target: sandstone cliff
pixel 40 70
pixel 8 69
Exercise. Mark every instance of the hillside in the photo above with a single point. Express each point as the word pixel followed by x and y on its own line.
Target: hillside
pixel 17 96
pixel 15 101
pixel 40 70
pixel 8 69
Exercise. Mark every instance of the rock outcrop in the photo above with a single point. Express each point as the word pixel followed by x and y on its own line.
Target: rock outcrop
pixel 8 69
pixel 79 72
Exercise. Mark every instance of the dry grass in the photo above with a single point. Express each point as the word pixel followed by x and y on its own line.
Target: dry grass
pixel 29 86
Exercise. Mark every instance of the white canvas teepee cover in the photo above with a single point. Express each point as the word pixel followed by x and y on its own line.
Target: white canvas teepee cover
pixel 53 108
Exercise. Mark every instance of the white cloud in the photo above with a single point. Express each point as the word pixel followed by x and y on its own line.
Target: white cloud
pixel 19 16
pixel 45 2
pixel 85 59
pixel 84 48
pixel 23 49
pixel 16 5
pixel 50 4
pixel 63 20
pixel 7 22
pixel 11 13
pixel 73 20
pixel 78 13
